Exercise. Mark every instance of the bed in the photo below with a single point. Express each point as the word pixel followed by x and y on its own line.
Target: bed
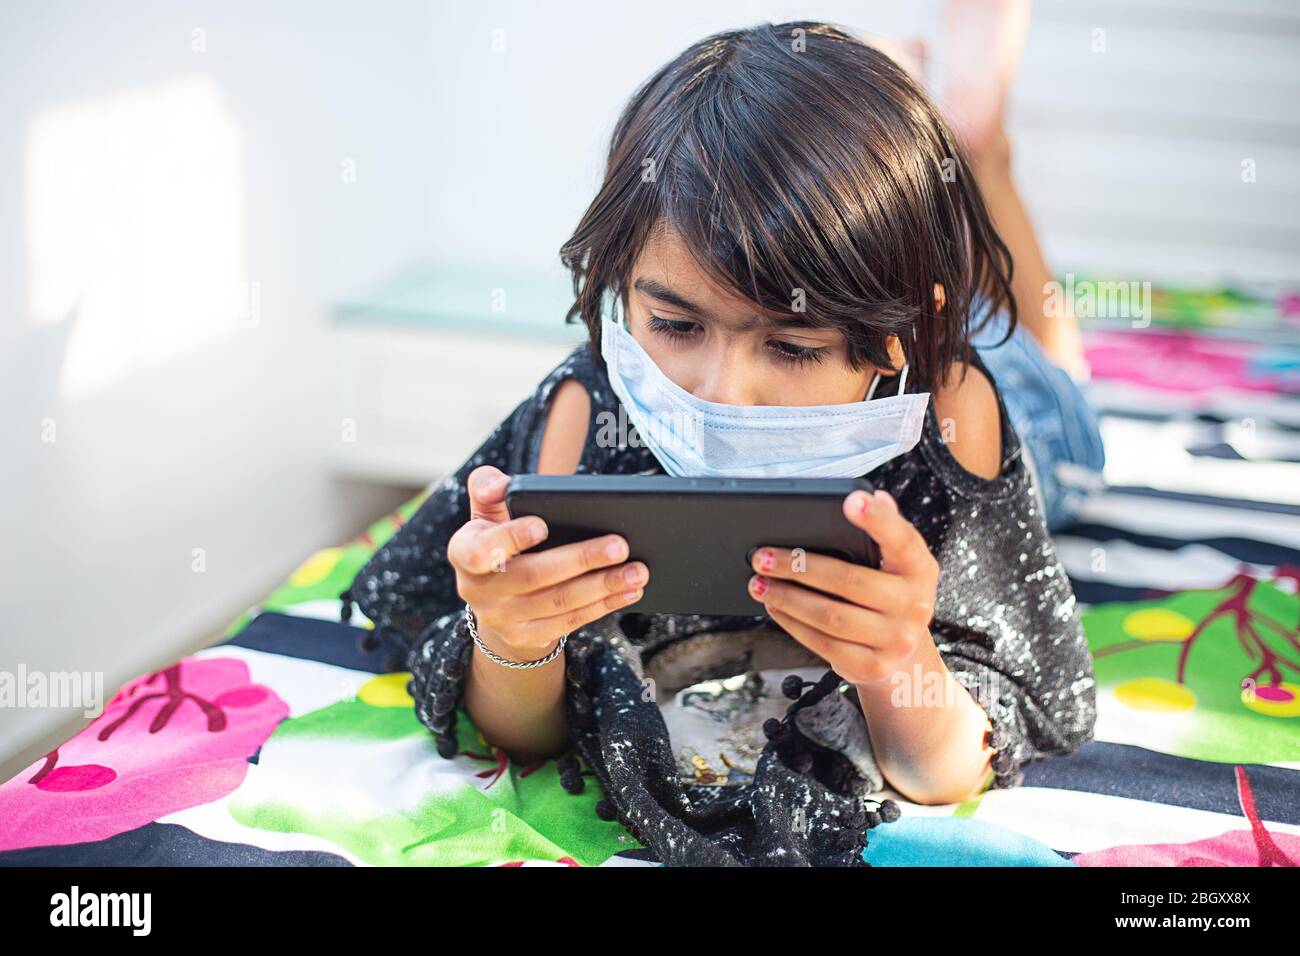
pixel 287 744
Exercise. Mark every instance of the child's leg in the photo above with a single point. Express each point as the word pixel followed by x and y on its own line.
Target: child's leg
pixel 982 44
pixel 1057 330
pixel 1038 369
pixel 1058 431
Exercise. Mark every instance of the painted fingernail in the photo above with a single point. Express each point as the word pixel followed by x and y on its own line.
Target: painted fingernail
pixel 766 560
pixel 758 585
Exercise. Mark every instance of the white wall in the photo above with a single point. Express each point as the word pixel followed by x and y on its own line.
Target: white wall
pixel 172 185
pixel 528 111
pixel 1129 153
pixel 1132 120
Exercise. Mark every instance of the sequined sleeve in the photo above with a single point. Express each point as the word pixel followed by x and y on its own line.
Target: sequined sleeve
pixel 1006 621
pixel 1037 689
pixel 407 583
pixel 408 589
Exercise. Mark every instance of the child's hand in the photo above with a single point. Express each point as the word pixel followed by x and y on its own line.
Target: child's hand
pixel 524 603
pixel 866 624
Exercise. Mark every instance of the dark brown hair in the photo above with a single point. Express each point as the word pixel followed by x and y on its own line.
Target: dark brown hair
pixel 795 157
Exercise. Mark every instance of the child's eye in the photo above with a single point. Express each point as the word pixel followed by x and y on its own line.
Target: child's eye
pixel 792 354
pixel 672 328
pixel 785 352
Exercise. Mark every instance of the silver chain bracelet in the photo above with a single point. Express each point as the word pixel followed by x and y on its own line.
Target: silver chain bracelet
pixel 497 659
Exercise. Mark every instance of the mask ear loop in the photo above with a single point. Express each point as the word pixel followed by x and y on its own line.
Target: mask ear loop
pixel 611 308
pixel 902 380
pixel 871 389
pixel 614 313
pixel 620 314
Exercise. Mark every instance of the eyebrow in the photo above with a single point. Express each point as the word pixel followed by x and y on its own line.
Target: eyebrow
pixel 657 290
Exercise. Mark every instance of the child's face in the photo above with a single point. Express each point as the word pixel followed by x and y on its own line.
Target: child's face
pixel 720 349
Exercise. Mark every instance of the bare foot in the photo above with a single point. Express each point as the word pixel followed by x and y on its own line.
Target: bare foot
pixel 910 53
pixel 981 45
pixel 982 40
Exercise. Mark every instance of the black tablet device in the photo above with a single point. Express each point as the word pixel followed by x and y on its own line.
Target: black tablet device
pixel 696 534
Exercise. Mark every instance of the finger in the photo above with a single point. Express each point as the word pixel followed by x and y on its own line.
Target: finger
pixel 860 585
pixel 839 619
pixel 482 548
pixel 902 549
pixel 846 658
pixel 578 592
pixel 544 632
pixel 487 493
pixel 545 569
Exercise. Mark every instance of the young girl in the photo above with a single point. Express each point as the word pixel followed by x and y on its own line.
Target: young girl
pixel 787 222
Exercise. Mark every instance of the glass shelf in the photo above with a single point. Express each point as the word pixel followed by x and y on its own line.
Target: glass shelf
pixel 469 298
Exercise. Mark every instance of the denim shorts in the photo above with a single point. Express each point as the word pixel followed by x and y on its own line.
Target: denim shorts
pixel 1057 428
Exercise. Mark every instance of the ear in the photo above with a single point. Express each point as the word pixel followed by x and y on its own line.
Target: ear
pixel 940 297
pixel 896 356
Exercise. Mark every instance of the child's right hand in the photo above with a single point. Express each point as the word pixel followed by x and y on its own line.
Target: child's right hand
pixel 524 603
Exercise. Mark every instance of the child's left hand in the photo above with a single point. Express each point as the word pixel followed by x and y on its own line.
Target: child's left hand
pixel 867 624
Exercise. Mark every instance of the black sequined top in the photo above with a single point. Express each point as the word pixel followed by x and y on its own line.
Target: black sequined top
pixel 1006 626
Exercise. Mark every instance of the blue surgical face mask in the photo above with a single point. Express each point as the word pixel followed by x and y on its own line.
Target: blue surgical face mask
pixel 695 438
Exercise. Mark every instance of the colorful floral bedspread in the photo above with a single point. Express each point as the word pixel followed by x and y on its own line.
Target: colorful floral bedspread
pixel 286 744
